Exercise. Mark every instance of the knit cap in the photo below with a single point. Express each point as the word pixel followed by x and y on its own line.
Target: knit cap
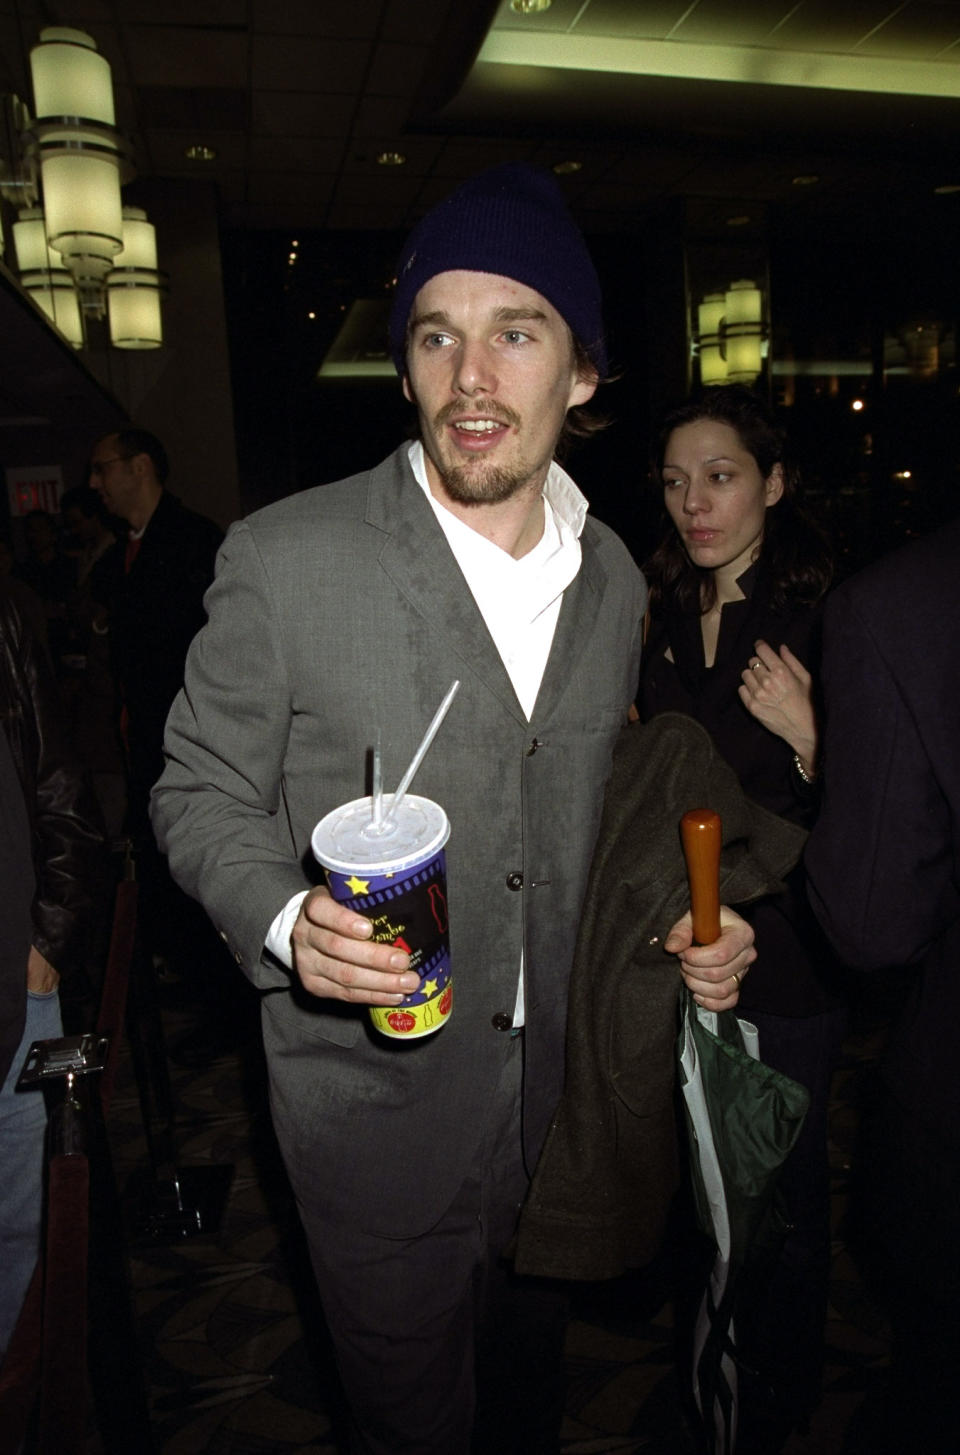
pixel 511 220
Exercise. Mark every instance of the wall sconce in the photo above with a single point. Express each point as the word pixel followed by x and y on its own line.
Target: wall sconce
pixel 81 160
pixel 730 334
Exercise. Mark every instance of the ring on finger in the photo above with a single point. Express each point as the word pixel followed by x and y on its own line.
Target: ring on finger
pixel 736 979
pixel 755 664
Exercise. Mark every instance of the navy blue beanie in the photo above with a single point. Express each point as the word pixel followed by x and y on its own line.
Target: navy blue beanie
pixel 513 221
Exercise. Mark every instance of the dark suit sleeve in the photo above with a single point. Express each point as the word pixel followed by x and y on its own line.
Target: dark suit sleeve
pixel 879 860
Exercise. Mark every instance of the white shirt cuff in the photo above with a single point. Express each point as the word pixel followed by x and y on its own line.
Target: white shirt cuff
pixel 278 935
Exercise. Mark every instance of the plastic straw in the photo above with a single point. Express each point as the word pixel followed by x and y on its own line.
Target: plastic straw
pixel 421 752
pixel 377 786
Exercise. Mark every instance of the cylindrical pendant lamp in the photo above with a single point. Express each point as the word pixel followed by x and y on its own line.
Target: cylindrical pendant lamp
pixel 743 331
pixel 713 365
pixel 79 151
pixel 134 286
pixel 44 277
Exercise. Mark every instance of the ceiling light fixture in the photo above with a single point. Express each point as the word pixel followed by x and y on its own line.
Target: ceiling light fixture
pixel 740 220
pixel 806 179
pixel 64 171
pixel 566 169
pixel 530 7
pixel 391 159
pixel 198 152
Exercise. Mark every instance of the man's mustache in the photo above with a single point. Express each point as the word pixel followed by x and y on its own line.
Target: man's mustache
pixel 478 409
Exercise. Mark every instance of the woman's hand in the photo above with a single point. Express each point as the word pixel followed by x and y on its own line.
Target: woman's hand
pixel 777 690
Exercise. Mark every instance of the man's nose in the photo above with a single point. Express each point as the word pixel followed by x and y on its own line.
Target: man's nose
pixel 475 371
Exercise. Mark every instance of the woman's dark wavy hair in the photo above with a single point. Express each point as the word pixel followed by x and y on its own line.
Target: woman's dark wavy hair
pixel 795 555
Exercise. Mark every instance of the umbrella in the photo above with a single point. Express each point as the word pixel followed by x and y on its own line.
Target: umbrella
pixel 742 1119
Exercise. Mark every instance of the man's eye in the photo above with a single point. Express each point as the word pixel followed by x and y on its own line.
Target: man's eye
pixel 435 340
pixel 515 336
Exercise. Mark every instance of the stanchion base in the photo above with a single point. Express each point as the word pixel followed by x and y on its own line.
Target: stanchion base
pixel 187 1204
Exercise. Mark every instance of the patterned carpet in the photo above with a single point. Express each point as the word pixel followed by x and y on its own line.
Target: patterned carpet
pixel 232 1343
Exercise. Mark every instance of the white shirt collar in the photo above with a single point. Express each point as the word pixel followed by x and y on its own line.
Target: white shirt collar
pixel 567 502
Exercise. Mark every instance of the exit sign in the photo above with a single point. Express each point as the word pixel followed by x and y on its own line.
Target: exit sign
pixel 34 487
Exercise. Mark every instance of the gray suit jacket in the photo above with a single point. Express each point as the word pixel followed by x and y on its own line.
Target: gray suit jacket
pixel 334 612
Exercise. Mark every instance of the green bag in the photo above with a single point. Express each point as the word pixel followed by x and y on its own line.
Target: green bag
pixel 742 1118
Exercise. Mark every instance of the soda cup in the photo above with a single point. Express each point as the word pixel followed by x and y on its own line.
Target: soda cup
pixel 397 877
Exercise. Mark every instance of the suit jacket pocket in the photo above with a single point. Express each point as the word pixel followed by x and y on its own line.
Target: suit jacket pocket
pixel 316 1019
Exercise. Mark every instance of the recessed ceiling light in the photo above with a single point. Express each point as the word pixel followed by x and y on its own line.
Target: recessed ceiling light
pixel 200 153
pixel 741 220
pixel 529 7
pixel 946 188
pixel 806 179
pixel 391 159
pixel 564 169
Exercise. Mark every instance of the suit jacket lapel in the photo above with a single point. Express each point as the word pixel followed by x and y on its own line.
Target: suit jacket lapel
pixel 581 602
pixel 422 567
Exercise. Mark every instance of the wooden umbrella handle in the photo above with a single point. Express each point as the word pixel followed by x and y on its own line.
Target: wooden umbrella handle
pixel 700 831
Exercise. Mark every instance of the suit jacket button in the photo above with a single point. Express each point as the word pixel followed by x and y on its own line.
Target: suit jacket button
pixel 515 880
pixel 501 1021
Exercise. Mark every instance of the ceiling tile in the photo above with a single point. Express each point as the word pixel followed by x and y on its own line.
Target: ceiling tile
pixel 921 32
pixel 306 63
pixel 174 56
pixel 431 16
pixel 358 20
pixel 218 108
pixel 825 25
pixel 289 187
pixel 382 116
pixel 301 113
pixel 396 69
pixel 181 12
pixel 293 153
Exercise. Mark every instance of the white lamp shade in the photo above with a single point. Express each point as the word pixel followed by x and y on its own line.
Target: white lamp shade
pixel 713 365
pixel 743 303
pixel 57 296
pixel 81 196
pixel 134 286
pixel 139 241
pixel 70 77
pixel 30 243
pixel 710 314
pixel 134 310
pixel 744 331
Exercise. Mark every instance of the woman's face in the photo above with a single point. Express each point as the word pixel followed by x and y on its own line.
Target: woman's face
pixel 716 496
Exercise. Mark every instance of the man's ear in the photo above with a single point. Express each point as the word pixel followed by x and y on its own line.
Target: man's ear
pixel 407 391
pixel 584 386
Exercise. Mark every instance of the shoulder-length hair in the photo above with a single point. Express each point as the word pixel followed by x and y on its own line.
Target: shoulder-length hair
pixel 795 556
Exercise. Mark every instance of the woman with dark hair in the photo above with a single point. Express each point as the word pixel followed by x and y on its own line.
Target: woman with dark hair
pixel 736 587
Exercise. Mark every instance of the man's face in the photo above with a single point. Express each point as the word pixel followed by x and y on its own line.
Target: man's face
pixel 490 367
pixel 113 476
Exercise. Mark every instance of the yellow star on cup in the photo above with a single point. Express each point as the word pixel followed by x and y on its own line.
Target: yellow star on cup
pixel 357 886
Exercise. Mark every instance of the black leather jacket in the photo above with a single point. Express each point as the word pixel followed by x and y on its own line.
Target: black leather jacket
pixel 69 850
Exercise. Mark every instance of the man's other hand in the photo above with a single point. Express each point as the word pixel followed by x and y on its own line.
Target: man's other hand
pixel 713 972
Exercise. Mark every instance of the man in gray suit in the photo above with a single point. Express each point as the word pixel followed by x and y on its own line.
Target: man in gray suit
pixel 354 606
